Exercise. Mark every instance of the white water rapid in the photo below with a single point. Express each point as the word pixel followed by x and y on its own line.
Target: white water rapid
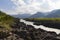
pixel 41 26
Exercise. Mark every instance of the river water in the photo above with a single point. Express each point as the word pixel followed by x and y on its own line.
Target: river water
pixel 40 26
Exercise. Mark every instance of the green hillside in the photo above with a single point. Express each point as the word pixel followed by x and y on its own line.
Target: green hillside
pixel 6 20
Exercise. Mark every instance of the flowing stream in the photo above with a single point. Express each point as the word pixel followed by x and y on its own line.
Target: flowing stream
pixel 40 26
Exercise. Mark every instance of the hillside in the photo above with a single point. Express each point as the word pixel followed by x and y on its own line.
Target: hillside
pixel 54 14
pixel 6 20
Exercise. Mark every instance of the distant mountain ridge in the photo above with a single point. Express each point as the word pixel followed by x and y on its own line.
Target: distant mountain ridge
pixel 52 14
pixel 22 15
pixel 38 15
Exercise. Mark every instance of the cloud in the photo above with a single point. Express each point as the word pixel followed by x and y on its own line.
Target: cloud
pixel 33 6
pixel 9 12
pixel 54 4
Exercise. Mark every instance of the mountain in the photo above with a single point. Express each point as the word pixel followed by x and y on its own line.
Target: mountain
pixel 22 15
pixel 54 14
pixel 38 15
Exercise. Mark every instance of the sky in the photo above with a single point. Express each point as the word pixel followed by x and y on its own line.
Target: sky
pixel 14 7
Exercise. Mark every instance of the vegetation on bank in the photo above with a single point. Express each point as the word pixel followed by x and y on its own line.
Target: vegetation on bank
pixel 44 19
pixel 6 20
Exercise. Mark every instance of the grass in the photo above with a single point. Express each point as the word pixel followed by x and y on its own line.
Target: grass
pixel 45 19
pixel 6 20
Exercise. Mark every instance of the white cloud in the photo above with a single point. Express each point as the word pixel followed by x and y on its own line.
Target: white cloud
pixel 32 6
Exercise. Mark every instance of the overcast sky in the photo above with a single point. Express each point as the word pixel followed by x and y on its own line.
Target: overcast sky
pixel 28 6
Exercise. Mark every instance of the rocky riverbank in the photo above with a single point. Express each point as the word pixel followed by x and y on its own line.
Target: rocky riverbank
pixel 21 31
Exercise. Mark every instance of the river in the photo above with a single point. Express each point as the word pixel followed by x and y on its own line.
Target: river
pixel 40 26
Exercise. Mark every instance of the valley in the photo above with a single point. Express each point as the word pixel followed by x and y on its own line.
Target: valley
pixel 12 28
